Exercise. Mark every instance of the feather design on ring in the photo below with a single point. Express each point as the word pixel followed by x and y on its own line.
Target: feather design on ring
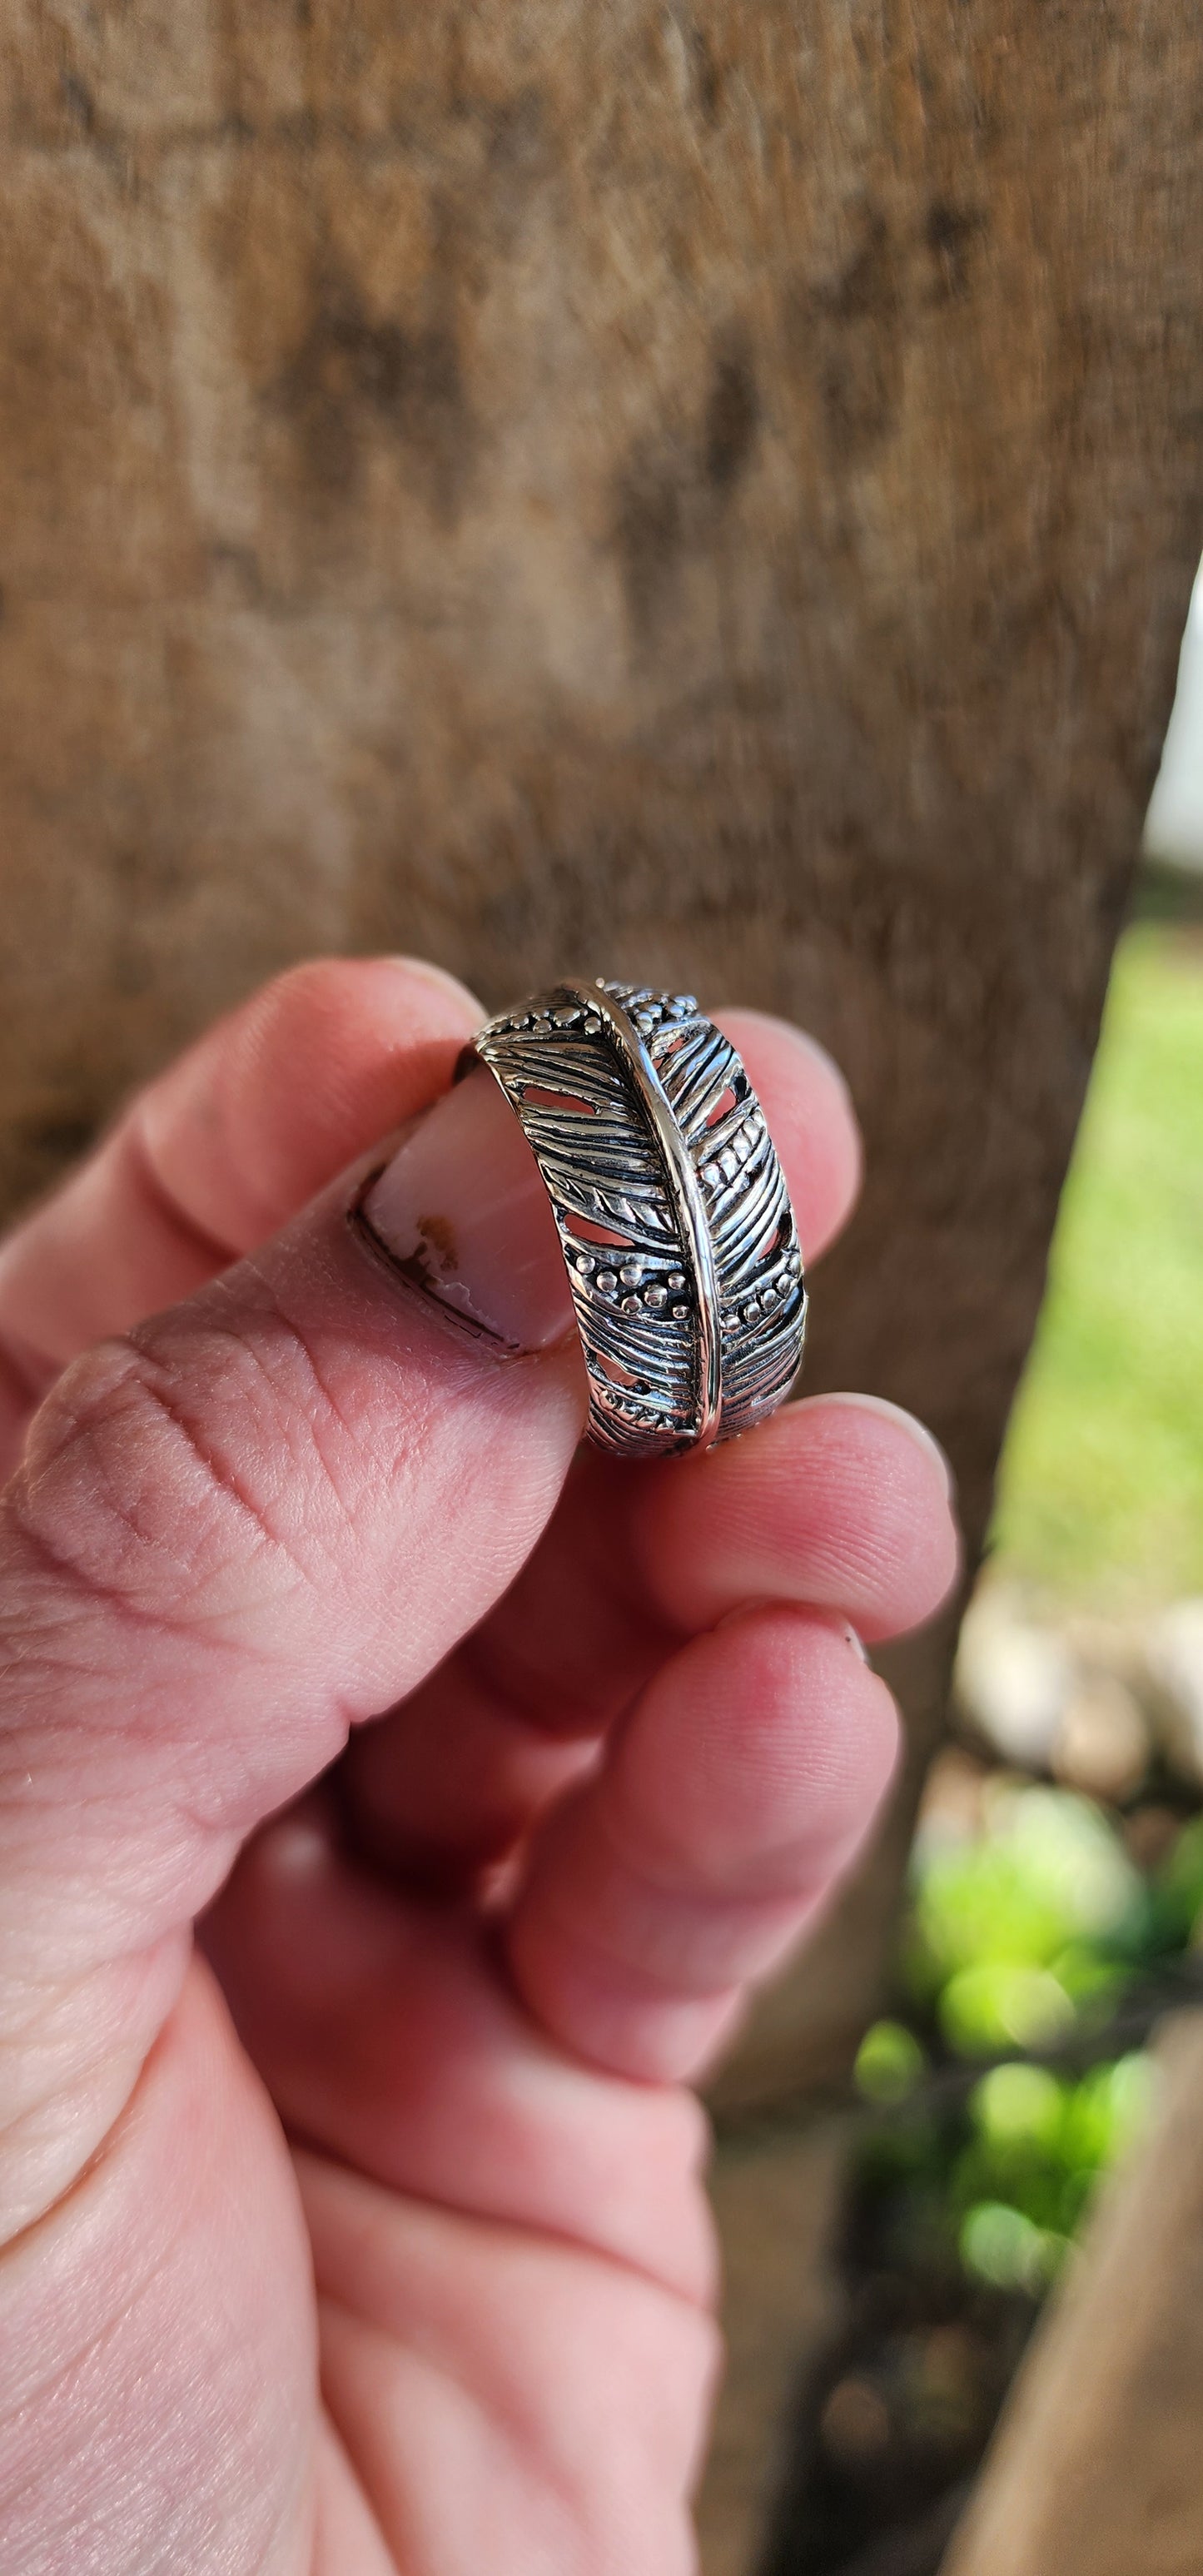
pixel 671 1205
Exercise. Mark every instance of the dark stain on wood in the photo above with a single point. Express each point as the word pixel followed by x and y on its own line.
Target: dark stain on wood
pixel 732 419
pixel 648 529
pixel 848 329
pixel 950 233
pixel 353 379
pixel 707 74
pixel 671 494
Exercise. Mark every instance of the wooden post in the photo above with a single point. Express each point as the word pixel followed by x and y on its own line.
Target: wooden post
pixel 706 489
pixel 1095 2468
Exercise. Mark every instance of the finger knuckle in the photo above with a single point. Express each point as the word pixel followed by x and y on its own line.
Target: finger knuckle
pixel 135 1490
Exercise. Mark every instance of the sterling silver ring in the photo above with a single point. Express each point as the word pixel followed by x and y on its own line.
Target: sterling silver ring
pixel 673 1214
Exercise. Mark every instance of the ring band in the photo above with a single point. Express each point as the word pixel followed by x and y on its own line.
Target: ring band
pixel 672 1209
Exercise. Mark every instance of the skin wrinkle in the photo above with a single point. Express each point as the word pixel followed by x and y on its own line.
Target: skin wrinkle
pixel 96 1594
pixel 537 1699
pixel 150 1377
pixel 246 1350
pixel 484 1662
pixel 95 2342
pixel 496 1652
pixel 667 1874
pixel 111 1802
pixel 426 1451
pixel 667 1982
pixel 66 1986
pixel 218 1473
pixel 27 1381
pixel 676 2131
pixel 520 1622
pixel 330 2443
pixel 423 1396
pixel 734 1903
pixel 161 2501
pixel 684 2141
pixel 355 1436
pixel 170 1849
pixel 220 2416
pixel 114 1397
pixel 843 1559
pixel 521 2230
pixel 196 1862
pixel 219 1839
pixel 434 2367
pixel 632 1977
pixel 421 1400
pixel 70 2199
pixel 693 2311
pixel 297 1413
pixel 164 1202
pixel 172 1955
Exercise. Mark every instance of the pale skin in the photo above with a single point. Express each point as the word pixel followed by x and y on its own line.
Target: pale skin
pixel 367 2236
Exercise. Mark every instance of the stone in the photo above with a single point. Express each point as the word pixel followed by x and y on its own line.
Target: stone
pixel 1103 1741
pixel 1013 1680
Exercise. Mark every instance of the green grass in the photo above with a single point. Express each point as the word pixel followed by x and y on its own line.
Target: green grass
pixel 1101 1494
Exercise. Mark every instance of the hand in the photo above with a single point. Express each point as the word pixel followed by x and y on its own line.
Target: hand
pixel 421 2124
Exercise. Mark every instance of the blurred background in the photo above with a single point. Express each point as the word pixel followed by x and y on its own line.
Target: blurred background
pixel 709 491
pixel 1055 1904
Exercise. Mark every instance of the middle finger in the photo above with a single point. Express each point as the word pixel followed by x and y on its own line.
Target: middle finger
pixel 841 1503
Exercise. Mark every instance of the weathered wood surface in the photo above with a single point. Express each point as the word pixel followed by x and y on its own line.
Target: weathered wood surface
pixel 1095 2470
pixel 700 488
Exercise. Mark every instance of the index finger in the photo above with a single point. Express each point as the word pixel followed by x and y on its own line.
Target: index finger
pixel 222 1148
pixel 266 1108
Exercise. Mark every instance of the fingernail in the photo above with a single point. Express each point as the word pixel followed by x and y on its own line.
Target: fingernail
pixel 462 1214
pixel 908 1422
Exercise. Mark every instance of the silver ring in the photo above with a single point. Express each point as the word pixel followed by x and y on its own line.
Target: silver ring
pixel 673 1213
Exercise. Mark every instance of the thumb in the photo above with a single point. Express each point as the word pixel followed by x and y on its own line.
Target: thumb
pixel 259 1517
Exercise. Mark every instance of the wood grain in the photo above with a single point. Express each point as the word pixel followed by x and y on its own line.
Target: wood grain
pixel 1095 2467
pixel 705 493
